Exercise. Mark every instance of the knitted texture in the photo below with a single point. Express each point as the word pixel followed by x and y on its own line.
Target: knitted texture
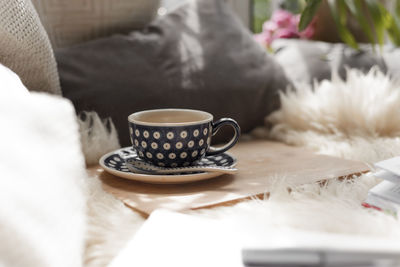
pixel 70 22
pixel 25 47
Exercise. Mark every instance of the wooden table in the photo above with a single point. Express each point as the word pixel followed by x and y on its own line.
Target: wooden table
pixel 261 164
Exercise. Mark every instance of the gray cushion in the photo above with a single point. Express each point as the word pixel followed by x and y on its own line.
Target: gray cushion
pixel 304 61
pixel 199 56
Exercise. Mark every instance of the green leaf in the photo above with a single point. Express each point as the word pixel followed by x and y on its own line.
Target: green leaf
pixel 384 21
pixel 342 11
pixel 379 18
pixel 396 17
pixel 397 9
pixel 393 28
pixel 337 10
pixel 308 13
pixel 356 9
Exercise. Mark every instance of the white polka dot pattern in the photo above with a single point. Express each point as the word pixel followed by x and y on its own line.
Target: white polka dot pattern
pixel 156 135
pixel 170 135
pixel 167 146
pixel 171 144
pixel 118 159
pixel 183 134
pixel 154 145
pixel 178 145
pixel 144 144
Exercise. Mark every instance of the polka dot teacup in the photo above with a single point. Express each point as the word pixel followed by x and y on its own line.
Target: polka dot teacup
pixel 176 137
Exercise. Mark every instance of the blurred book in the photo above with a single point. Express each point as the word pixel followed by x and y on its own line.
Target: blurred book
pixel 174 239
pixel 319 258
pixel 386 195
pixel 391 165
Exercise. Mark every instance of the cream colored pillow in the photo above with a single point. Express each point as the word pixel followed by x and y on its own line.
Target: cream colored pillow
pixel 25 47
pixel 70 22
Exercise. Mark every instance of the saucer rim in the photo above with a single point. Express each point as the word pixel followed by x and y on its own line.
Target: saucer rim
pixel 160 178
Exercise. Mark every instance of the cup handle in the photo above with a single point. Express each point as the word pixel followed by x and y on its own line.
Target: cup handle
pixel 215 127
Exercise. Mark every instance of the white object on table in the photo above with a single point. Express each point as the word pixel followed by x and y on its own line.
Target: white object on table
pixel 388 176
pixel 391 165
pixel 173 239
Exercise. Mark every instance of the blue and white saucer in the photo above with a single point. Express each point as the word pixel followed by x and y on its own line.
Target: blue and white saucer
pixel 114 163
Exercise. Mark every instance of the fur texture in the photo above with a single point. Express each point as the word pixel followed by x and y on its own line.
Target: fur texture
pixel 334 208
pixel 42 175
pixel 363 105
pixel 98 136
pixel 110 222
pixel 111 225
pixel 355 119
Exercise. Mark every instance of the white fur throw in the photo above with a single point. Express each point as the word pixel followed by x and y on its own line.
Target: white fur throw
pixel 42 210
pixel 354 119
pixel 42 172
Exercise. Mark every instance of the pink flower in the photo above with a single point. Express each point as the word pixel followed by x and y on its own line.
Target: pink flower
pixel 270 26
pixel 282 17
pixel 309 31
pixel 265 39
pixel 283 24
pixel 295 20
pixel 286 33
